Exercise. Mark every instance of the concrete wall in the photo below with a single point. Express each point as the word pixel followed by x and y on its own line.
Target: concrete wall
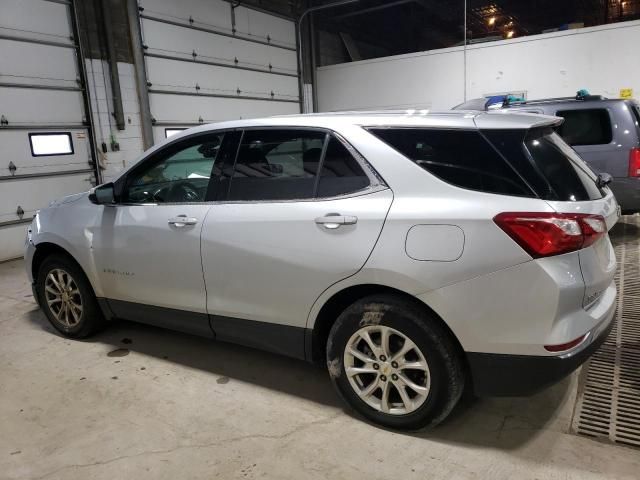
pixel 601 59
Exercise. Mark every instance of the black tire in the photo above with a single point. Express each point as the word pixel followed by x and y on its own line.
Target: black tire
pixel 90 319
pixel 443 356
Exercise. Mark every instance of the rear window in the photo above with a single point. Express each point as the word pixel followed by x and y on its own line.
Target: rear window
pixel 459 157
pixel 586 127
pixel 551 167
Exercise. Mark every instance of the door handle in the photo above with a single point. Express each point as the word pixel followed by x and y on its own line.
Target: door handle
pixel 332 221
pixel 182 221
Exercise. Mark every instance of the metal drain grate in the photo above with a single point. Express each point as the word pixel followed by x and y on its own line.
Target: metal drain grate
pixel 608 403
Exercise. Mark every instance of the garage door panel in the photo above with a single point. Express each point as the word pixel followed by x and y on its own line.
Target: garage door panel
pixel 32 194
pixel 171 39
pixel 39 96
pixel 12 240
pixel 169 108
pixel 211 13
pixel 34 106
pixel 22 18
pixel 260 24
pixel 167 74
pixel 37 64
pixel 16 149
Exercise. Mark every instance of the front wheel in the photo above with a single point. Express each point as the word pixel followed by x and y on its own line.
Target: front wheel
pixel 66 297
pixel 394 364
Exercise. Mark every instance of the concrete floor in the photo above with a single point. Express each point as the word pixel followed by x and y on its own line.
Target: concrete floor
pixel 175 406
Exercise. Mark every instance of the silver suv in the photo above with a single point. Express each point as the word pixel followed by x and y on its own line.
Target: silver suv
pixel 605 132
pixel 411 253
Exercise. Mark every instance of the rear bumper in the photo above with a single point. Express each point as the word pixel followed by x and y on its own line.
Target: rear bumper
pixel 520 375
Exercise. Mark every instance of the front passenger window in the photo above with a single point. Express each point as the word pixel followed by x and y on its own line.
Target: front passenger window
pixel 181 173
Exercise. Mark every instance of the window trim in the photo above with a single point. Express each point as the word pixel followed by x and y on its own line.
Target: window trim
pixel 605 109
pixel 47 134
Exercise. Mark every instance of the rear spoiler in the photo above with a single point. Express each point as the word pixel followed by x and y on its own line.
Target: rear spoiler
pixel 515 120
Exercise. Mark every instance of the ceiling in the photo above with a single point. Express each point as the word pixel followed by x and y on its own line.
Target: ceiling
pixel 402 26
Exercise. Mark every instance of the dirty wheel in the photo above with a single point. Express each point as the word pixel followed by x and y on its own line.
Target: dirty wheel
pixel 394 364
pixel 66 297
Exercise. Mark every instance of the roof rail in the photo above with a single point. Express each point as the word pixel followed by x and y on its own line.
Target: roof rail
pixel 581 95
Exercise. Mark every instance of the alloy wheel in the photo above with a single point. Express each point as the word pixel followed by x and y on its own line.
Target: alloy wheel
pixel 387 370
pixel 63 298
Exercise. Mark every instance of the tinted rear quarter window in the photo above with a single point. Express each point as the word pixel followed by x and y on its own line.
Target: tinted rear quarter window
pixel 340 174
pixel 586 126
pixel 460 157
pixel 568 176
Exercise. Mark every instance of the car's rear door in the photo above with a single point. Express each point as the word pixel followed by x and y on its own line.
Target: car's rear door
pixel 301 213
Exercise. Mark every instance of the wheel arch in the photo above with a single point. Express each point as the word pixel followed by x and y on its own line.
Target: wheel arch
pixel 331 309
pixel 46 249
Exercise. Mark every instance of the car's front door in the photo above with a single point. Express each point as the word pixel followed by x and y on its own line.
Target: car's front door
pixel 300 214
pixel 147 247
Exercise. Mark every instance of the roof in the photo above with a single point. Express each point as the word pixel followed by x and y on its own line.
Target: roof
pixel 500 119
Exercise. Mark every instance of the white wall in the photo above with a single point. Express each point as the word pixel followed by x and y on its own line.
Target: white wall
pixel 601 59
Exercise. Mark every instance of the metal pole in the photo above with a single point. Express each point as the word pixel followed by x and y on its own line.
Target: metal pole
pixel 314 61
pixel 86 95
pixel 299 32
pixel 140 72
pixel 107 23
pixel 464 51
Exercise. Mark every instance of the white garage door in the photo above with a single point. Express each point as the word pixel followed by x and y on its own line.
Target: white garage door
pixel 207 61
pixel 45 149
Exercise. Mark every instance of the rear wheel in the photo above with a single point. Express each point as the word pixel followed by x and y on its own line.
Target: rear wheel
pixel 393 363
pixel 66 297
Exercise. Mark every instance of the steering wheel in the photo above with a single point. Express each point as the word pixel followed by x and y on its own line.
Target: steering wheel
pixel 183 192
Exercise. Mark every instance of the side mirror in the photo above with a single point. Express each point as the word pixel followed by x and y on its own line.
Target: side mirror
pixel 103 194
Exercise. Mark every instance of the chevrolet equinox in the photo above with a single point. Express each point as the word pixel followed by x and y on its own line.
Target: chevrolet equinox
pixel 412 253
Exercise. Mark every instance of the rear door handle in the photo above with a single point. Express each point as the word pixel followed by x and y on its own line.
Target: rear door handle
pixel 332 221
pixel 182 221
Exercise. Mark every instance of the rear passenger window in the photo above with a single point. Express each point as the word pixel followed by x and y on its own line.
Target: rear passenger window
pixel 462 158
pixel 276 165
pixel 289 165
pixel 341 173
pixel 585 127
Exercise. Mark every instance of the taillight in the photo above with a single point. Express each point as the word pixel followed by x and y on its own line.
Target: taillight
pixel 547 234
pixel 634 162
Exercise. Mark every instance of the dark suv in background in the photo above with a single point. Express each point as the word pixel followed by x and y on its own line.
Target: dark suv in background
pixel 605 132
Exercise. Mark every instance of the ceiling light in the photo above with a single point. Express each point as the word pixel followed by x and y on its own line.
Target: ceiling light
pixel 492 21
